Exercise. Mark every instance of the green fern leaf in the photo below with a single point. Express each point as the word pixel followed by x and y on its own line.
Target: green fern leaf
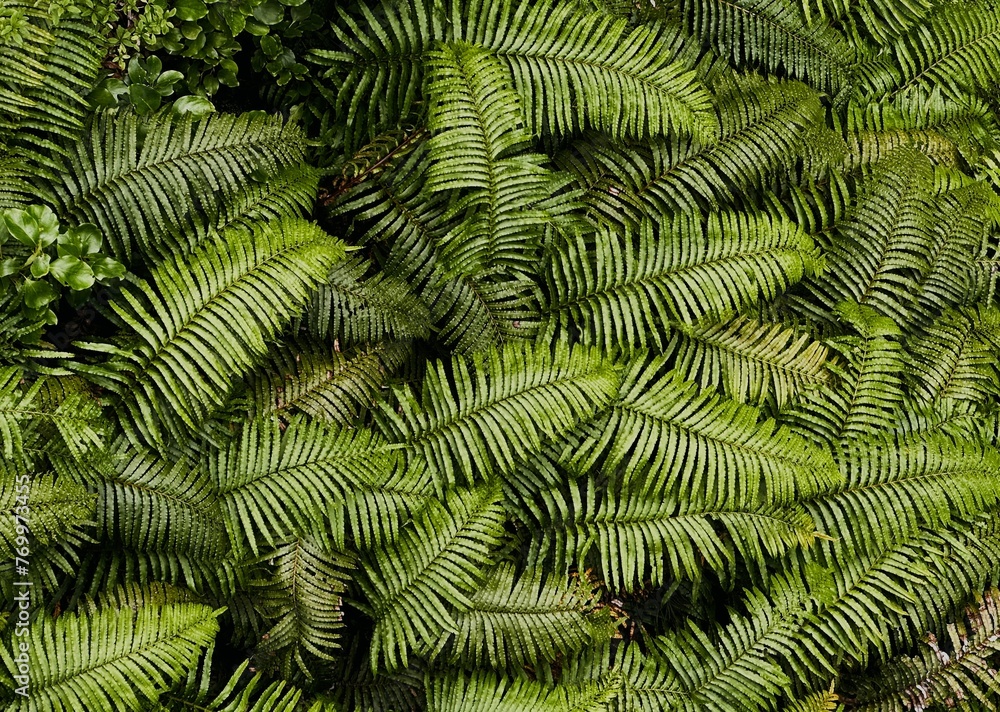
pixel 764 128
pixel 114 658
pixel 479 416
pixel 868 387
pixel 275 482
pixel 194 338
pixel 323 382
pixel 748 361
pixel 414 584
pixel 892 486
pixel 615 291
pixel 163 184
pixel 665 437
pixel 523 619
pixel 954 357
pixel 637 537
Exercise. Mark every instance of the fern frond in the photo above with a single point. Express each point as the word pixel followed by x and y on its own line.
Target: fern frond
pixel 276 482
pixel 875 256
pixel 773 35
pixel 894 485
pixel 373 513
pixel 49 508
pixel 414 584
pixel 194 338
pixel 528 618
pixel 951 275
pixel 953 52
pixel 954 357
pixel 477 144
pixel 665 437
pixel 486 692
pixel 748 361
pixel 46 71
pixel 476 416
pixel 735 667
pixel 323 382
pixel 636 536
pixel 868 388
pixel 961 669
pixel 604 75
pixel 353 309
pixel 764 127
pixel 114 658
pixel 151 504
pixel 238 694
pixel 612 291
pixel 300 598
pixel 161 185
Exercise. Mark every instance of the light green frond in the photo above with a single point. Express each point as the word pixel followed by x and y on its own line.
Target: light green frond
pixel 476 416
pixel 736 667
pixel 275 482
pixel 238 694
pixel 527 618
pixel 323 382
pixel 763 130
pixel 637 537
pixel 604 75
pixel 893 596
pixel 416 584
pixel 954 357
pixel 42 506
pixel 612 291
pixel 486 692
pixel 892 486
pixel 194 337
pixel 373 513
pixel 953 52
pixel 669 439
pixel 300 599
pixel 874 256
pixel 774 35
pixel 474 117
pixel 868 387
pixel 952 275
pixel 478 144
pixel 825 701
pixel 956 668
pixel 949 132
pixel 41 418
pixel 751 362
pixel 114 658
pixel 161 185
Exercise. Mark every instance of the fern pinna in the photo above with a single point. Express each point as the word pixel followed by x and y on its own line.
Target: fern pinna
pixel 467 356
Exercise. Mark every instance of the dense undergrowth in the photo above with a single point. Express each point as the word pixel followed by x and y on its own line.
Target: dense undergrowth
pixel 477 355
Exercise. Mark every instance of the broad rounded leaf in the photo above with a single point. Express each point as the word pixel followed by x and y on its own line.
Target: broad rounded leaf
pixel 107 268
pixel 144 99
pixel 37 294
pixel 189 10
pixel 81 240
pixel 73 272
pixel 193 106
